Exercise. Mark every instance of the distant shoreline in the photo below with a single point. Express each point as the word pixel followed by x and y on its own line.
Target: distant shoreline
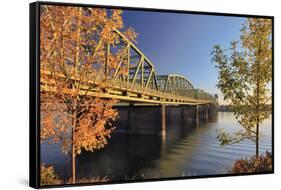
pixel 228 108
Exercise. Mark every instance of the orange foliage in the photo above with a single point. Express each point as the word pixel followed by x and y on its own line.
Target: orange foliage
pixel 48 176
pixel 261 164
pixel 73 53
pixel 89 137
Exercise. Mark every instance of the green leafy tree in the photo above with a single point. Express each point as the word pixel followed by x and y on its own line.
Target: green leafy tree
pixel 245 74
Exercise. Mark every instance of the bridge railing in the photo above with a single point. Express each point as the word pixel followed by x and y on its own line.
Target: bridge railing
pixel 127 86
pixel 190 94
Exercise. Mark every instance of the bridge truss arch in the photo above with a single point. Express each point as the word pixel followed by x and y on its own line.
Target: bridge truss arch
pixel 134 69
pixel 133 78
pixel 176 84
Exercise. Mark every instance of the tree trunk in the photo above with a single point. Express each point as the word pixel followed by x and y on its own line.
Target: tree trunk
pixel 73 151
pixel 258 102
pixel 257 139
pixel 77 60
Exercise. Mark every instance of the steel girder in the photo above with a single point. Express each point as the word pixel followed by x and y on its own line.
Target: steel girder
pixel 134 79
pixel 176 84
pixel 140 72
pixel 134 68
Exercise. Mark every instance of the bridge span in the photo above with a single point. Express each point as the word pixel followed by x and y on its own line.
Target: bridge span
pixel 134 81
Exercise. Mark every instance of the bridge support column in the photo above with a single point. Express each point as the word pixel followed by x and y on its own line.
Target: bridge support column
pixel 196 114
pixel 130 121
pixel 189 114
pixel 163 120
pixel 211 110
pixel 181 113
pixel 207 112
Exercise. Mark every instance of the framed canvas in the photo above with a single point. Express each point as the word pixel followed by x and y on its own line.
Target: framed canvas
pixel 121 94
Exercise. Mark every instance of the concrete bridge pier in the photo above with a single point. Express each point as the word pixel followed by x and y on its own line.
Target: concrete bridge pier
pixel 203 112
pixel 142 120
pixel 189 113
pixel 157 119
pixel 196 115
pixel 163 120
pixel 207 112
pixel 130 120
pixel 212 111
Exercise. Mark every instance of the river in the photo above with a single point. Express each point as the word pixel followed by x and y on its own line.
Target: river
pixel 187 150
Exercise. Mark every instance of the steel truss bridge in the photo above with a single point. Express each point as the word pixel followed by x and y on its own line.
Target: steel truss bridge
pixel 141 84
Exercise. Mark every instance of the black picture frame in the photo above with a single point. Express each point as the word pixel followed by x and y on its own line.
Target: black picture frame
pixel 34 90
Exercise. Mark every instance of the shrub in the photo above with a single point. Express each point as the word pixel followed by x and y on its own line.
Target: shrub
pixel 48 176
pixel 261 164
pixel 90 180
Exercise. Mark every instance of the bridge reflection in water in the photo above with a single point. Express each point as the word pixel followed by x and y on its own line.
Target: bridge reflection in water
pixel 187 150
pixel 128 154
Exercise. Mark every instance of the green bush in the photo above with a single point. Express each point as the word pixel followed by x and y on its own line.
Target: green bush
pixel 261 164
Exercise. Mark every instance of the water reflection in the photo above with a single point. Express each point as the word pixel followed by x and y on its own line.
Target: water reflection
pixel 188 149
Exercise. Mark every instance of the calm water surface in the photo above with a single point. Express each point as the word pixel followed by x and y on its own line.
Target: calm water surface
pixel 187 150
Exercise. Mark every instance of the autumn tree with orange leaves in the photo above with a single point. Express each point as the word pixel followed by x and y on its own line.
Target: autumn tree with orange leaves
pixel 75 61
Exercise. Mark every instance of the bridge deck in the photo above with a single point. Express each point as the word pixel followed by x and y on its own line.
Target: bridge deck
pixel 127 92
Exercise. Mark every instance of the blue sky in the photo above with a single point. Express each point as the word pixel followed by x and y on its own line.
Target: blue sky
pixel 182 43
